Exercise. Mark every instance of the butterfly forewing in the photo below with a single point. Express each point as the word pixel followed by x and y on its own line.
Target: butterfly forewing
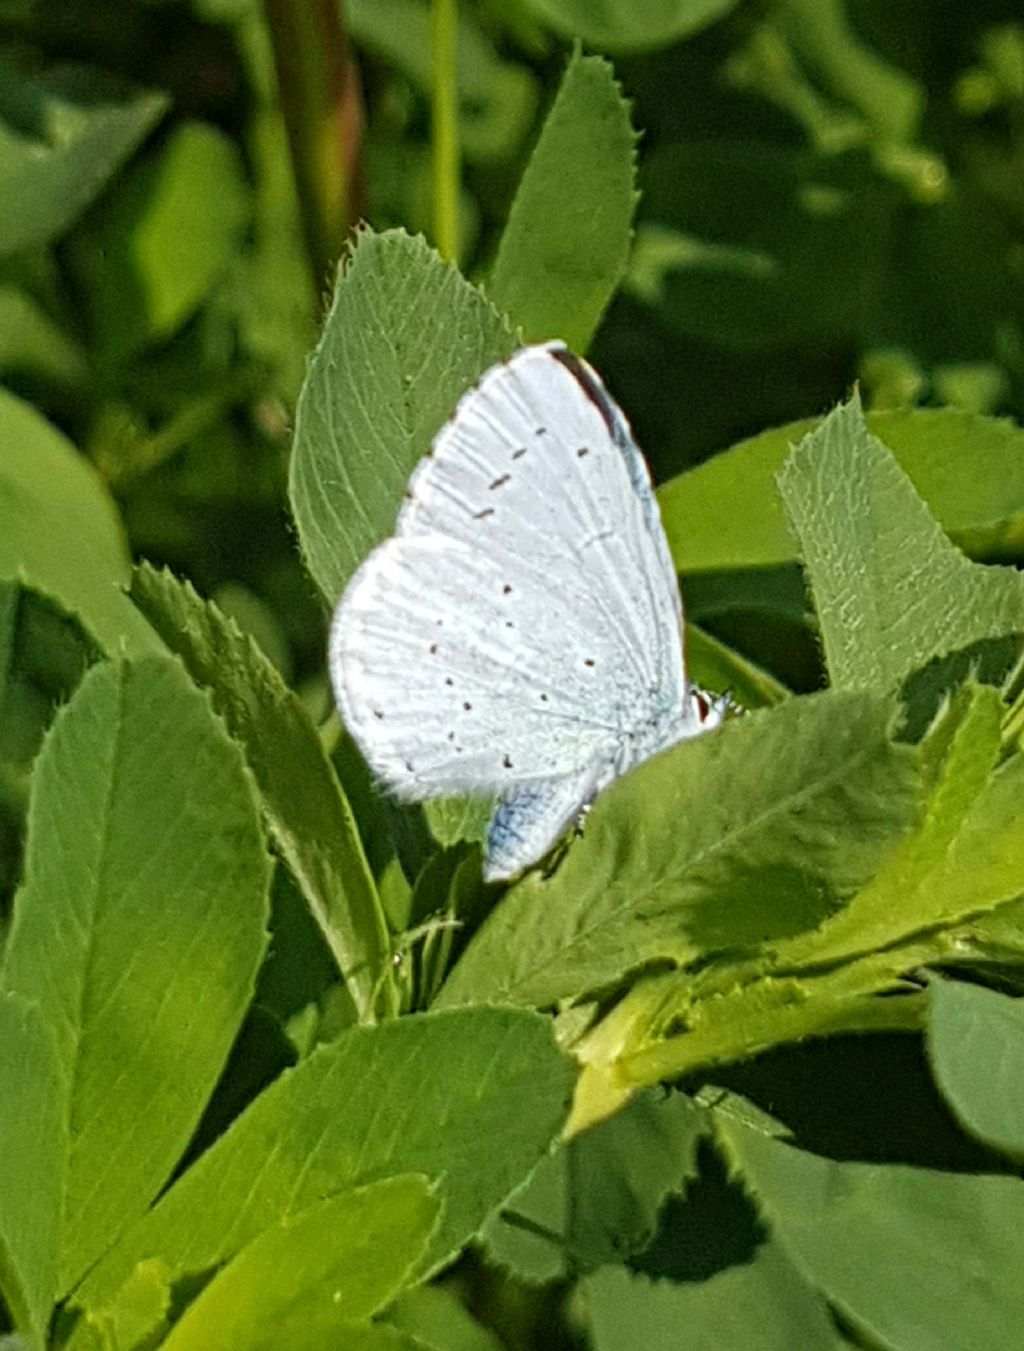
pixel 524 617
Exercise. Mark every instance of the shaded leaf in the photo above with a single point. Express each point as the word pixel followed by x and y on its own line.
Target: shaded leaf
pixel 762 1303
pixel 976 1048
pixel 596 1200
pixel 913 1258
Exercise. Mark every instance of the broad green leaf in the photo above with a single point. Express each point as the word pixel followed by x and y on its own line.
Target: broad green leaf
pixel 405 337
pixel 59 531
pixel 62 136
pixel 624 25
pixel 33 1143
pixel 727 513
pixel 890 590
pixel 144 900
pixel 370 1105
pixel 761 1303
pixel 756 830
pixel 162 239
pixel 339 1261
pixel 562 253
pixel 966 857
pixel 976 1048
pixel 912 1258
pixel 497 98
pixel 306 810
pixel 596 1200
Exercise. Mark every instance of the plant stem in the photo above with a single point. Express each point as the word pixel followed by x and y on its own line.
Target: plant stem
pixel 444 38
pixel 321 107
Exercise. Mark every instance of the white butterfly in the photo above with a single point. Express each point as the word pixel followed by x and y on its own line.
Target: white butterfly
pixel 521 631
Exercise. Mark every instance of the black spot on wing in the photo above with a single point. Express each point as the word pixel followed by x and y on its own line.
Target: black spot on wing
pixel 479 515
pixel 499 482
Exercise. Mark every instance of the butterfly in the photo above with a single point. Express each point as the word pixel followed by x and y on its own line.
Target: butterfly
pixel 521 632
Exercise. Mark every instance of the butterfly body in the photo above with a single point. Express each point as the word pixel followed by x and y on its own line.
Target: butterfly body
pixel 520 634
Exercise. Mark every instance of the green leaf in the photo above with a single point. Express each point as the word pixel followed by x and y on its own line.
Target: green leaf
pixel 404 338
pixel 339 1261
pixel 756 830
pixel 162 239
pixel 968 469
pixel 434 1315
pixel 562 254
pixel 59 531
pixel 890 590
pixel 760 1303
pixel 624 26
pixel 370 1105
pixel 976 1049
pixel 32 344
pixel 596 1200
pixel 144 900
pixel 43 655
pixel 966 857
pixel 62 136
pixel 306 811
pixel 33 1143
pixel 912 1258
